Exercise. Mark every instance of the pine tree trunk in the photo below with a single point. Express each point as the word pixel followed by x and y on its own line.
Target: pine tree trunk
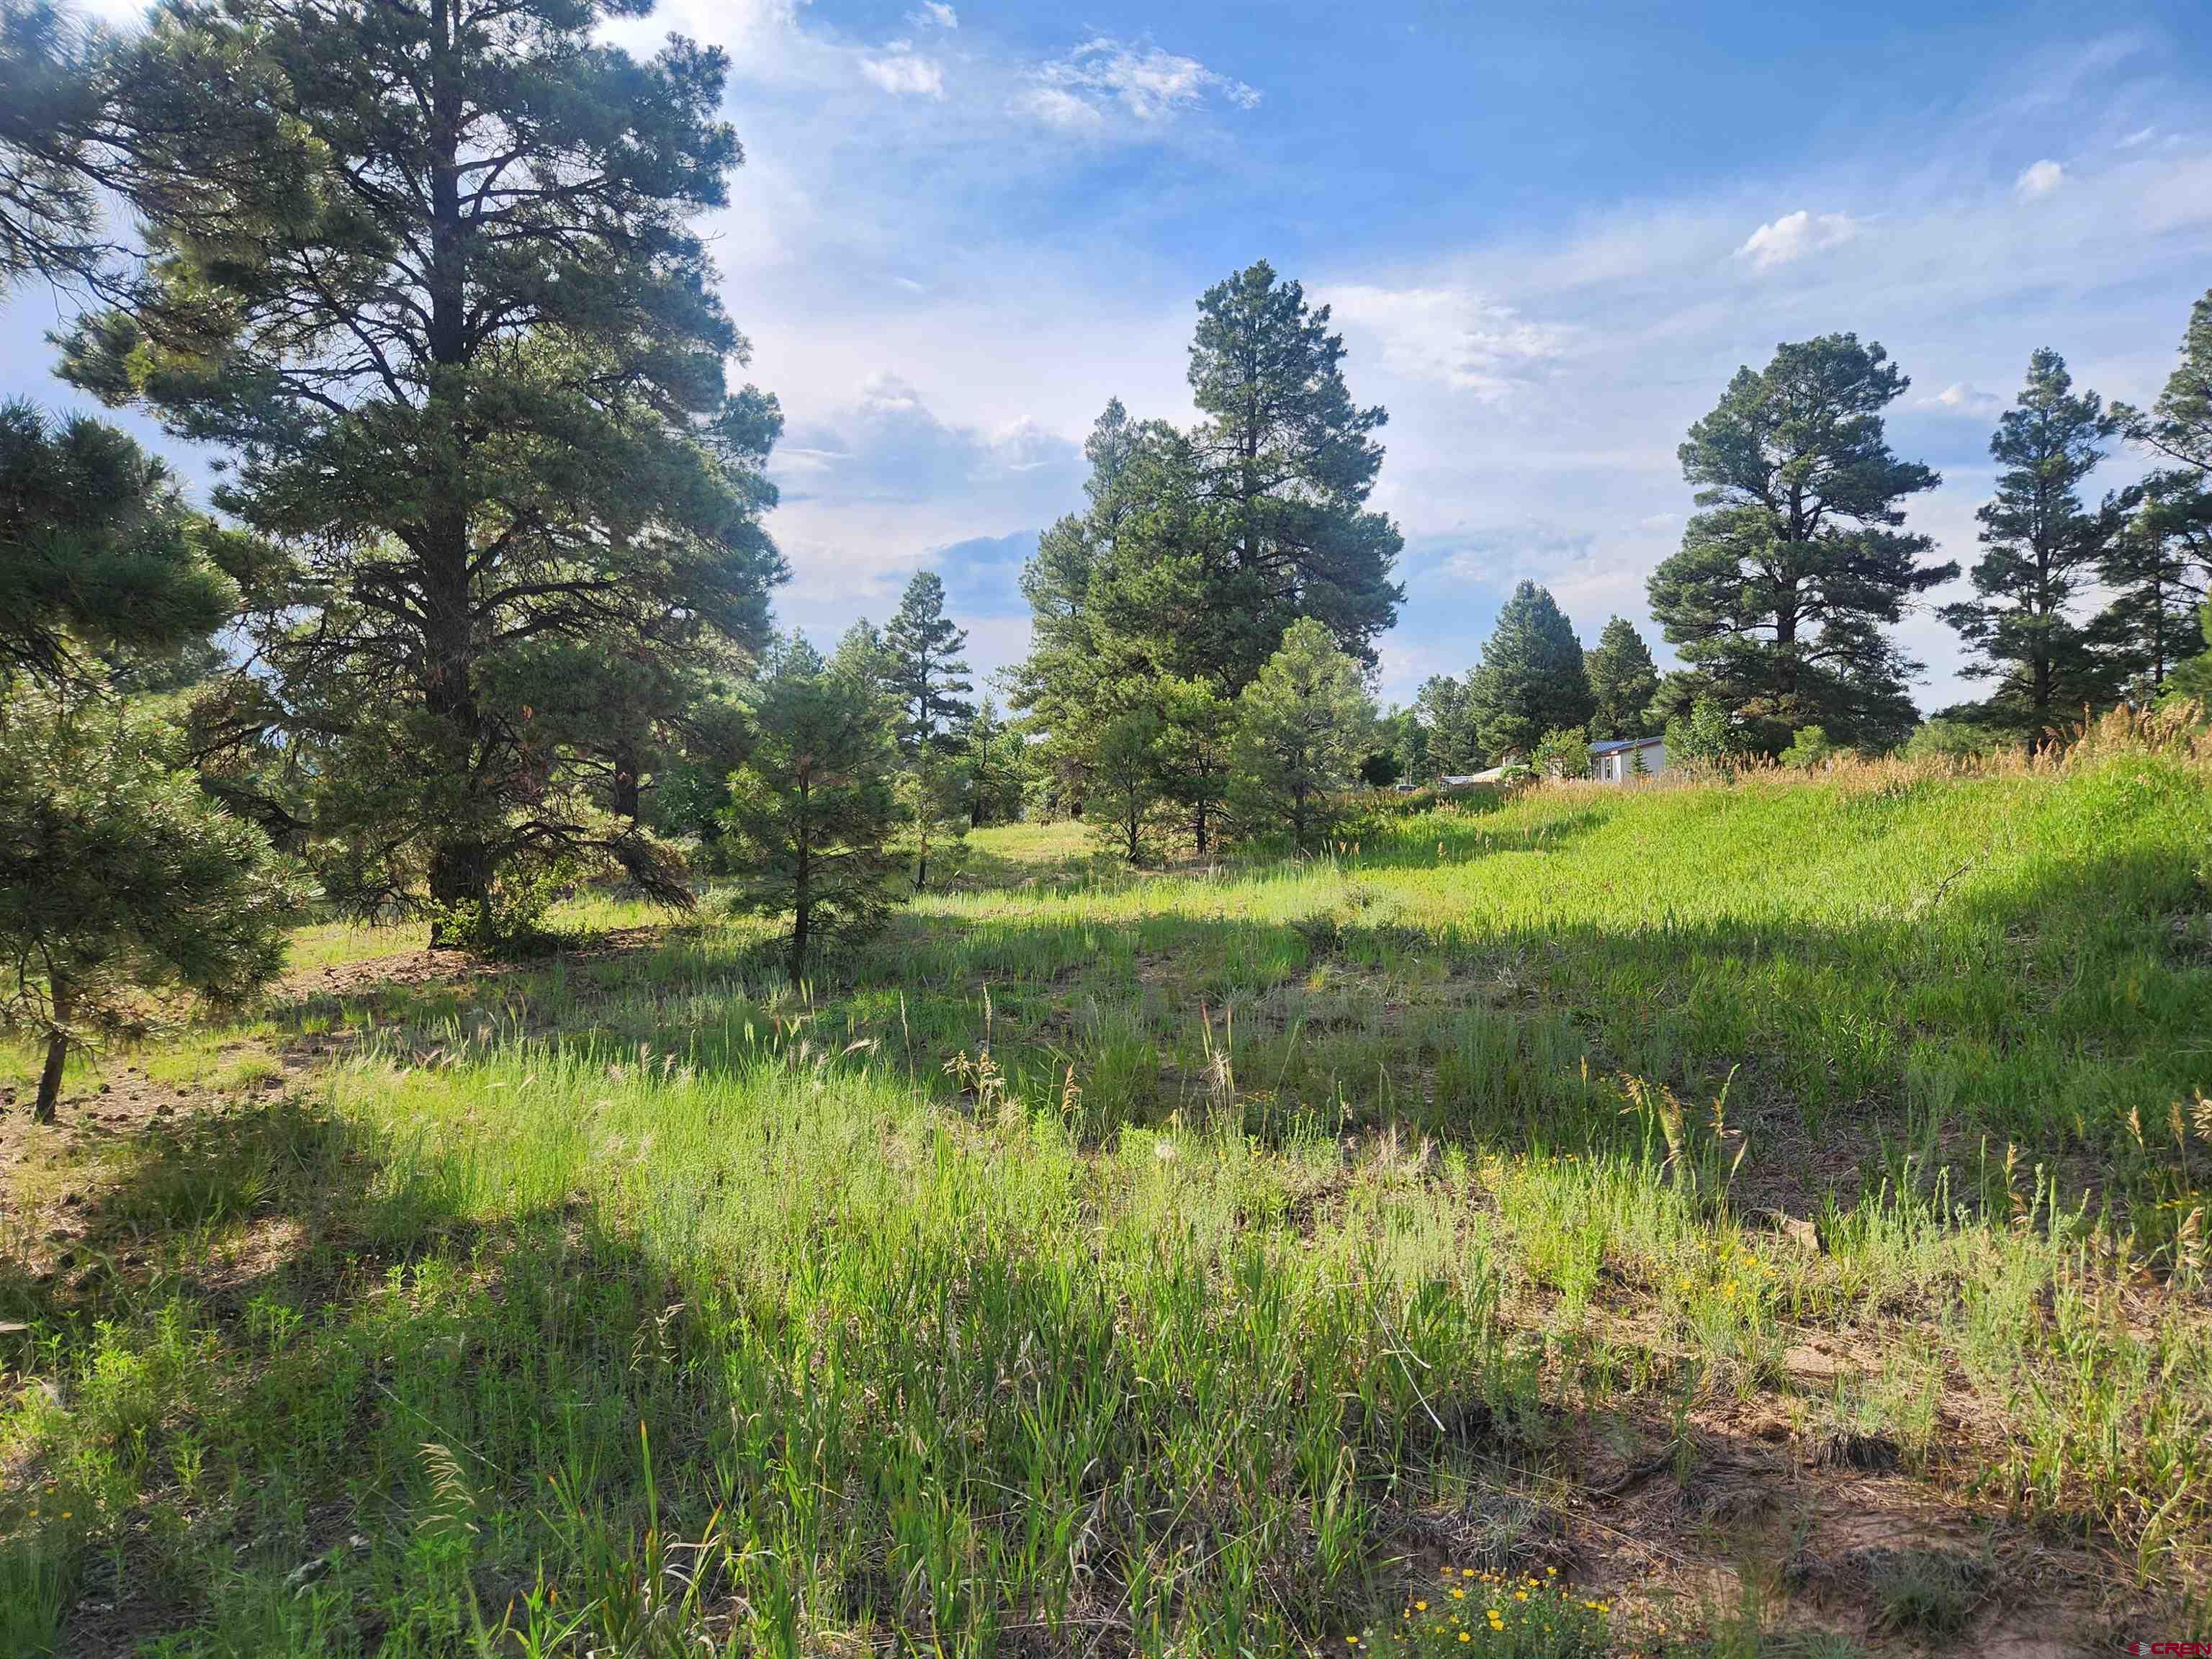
pixel 629 792
pixel 802 903
pixel 49 1080
pixel 461 864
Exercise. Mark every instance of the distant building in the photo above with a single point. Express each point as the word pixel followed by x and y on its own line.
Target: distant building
pixel 1614 760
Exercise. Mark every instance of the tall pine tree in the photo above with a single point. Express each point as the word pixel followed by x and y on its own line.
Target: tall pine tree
pixel 1623 681
pixel 1452 749
pixel 2040 545
pixel 924 666
pixel 2156 568
pixel 2178 428
pixel 1532 678
pixel 426 266
pixel 1058 684
pixel 1287 461
pixel 1153 609
pixel 1788 579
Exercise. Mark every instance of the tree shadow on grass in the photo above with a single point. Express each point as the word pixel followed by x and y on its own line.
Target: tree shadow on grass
pixel 287 1395
pixel 2039 1014
pixel 1847 1050
pixel 294 1396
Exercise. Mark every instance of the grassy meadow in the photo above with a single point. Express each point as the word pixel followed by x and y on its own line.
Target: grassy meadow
pixel 1728 1218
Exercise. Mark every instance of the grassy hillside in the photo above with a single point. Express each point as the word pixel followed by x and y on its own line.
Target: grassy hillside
pixel 1703 1218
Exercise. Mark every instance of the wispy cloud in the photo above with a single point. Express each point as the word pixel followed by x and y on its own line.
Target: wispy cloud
pixel 1500 554
pixel 905 73
pixel 1962 398
pixel 1104 78
pixel 2038 178
pixel 890 446
pixel 934 14
pixel 1794 235
pixel 1454 336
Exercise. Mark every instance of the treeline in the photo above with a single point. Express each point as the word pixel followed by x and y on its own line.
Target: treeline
pixel 482 606
pixel 1781 602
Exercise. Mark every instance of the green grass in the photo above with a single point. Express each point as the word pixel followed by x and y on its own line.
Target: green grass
pixel 1197 1261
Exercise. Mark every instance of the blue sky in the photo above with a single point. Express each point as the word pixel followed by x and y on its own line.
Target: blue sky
pixel 1550 234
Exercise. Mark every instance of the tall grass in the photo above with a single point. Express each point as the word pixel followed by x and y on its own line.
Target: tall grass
pixel 1135 1263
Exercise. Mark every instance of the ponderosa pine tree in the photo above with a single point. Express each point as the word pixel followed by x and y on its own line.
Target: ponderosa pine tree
pixel 1532 678
pixel 2156 567
pixel 994 767
pixel 1056 687
pixel 1301 729
pixel 2040 545
pixel 119 875
pixel 427 267
pixel 1123 793
pixel 1199 548
pixel 1623 680
pixel 1286 460
pixel 1453 750
pixel 1197 737
pixel 2178 428
pixel 924 666
pixel 1779 601
pixel 812 810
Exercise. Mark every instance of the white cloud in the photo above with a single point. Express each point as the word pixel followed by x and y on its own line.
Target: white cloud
pixel 1145 81
pixel 2139 137
pixel 904 73
pixel 1057 107
pixel 1795 235
pixel 889 446
pixel 1962 398
pixel 934 14
pixel 1453 336
pixel 1497 554
pixel 2038 178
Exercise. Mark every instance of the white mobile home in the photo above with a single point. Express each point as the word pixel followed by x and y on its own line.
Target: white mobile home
pixel 1615 760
